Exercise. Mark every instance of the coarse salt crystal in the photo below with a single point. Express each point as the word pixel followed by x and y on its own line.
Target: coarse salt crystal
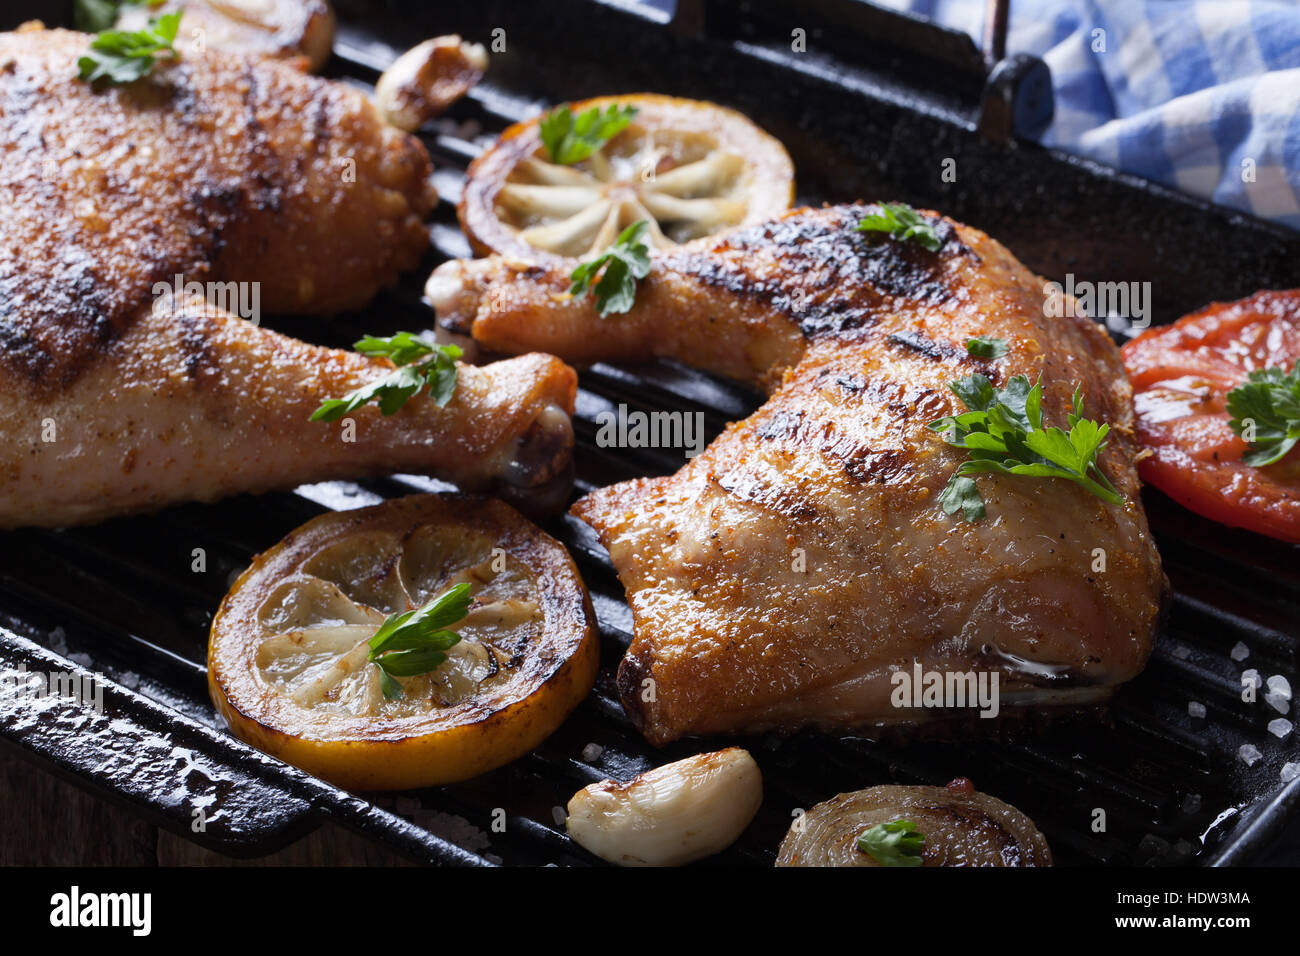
pixel 559 815
pixel 1181 653
pixel 1279 728
pixel 1248 753
pixel 1290 771
pixel 592 752
pixel 1196 708
pixel 1280 704
pixel 1279 686
pixel 1240 652
pixel 1252 677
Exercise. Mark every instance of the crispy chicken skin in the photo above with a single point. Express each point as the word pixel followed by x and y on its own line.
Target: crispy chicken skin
pixel 192 404
pixel 217 167
pixel 782 576
pixel 232 169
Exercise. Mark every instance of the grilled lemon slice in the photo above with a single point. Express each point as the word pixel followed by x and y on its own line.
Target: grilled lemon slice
pixel 288 657
pixel 689 168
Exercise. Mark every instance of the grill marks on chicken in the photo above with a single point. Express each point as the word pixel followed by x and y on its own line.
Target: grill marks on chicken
pixel 782 577
pixel 217 167
pixel 842 284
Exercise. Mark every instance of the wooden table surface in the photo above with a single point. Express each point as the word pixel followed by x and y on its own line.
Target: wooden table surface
pixel 46 821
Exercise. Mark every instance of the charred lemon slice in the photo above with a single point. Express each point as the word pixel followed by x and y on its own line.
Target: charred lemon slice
pixel 687 167
pixel 293 670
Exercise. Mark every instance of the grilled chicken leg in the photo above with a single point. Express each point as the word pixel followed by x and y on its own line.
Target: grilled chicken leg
pixel 784 576
pixel 192 404
pixel 708 304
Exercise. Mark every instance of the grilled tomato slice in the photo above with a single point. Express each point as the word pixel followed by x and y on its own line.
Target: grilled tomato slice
pixel 688 168
pixel 290 663
pixel 1181 375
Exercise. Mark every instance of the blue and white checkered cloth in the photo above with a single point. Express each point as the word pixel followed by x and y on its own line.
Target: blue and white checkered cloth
pixel 1202 95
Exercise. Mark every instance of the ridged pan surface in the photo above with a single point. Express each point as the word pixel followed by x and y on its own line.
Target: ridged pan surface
pixel 122 598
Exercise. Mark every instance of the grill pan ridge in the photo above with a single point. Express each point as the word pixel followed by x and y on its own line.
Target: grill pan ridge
pixel 121 598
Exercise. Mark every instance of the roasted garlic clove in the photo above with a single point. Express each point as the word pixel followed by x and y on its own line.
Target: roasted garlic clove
pixel 427 79
pixel 671 815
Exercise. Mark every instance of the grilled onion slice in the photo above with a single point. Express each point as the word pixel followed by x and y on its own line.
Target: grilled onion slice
pixel 288 663
pixel 688 167
pixel 962 827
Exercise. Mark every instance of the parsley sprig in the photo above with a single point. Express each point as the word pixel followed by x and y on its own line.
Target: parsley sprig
pixel 570 139
pixel 419 363
pixel 91 16
pixel 626 261
pixel 903 223
pixel 986 347
pixel 124 56
pixel 416 642
pixel 1003 432
pixel 897 843
pixel 1270 400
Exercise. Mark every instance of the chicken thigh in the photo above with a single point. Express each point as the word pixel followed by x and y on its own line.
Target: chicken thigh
pixel 784 577
pixel 217 167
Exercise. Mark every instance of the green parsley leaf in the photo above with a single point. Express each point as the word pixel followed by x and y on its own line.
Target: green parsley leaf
pixel 897 843
pixel 976 392
pixel 1270 400
pixel 902 222
pixel 402 348
pixel 420 363
pixel 986 347
pixel 391 688
pixel 962 493
pixel 626 261
pixel 415 642
pixel 570 139
pixel 1003 433
pixel 92 16
pixel 124 56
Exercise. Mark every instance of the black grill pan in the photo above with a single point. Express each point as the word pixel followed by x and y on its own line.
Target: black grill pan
pixel 865 116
